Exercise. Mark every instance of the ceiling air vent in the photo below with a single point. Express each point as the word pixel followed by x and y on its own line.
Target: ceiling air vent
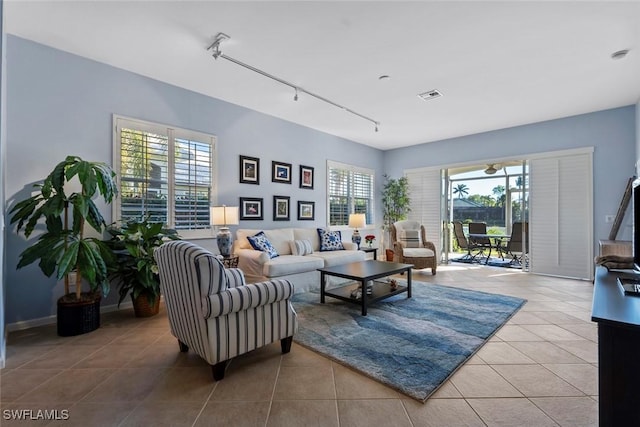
pixel 430 94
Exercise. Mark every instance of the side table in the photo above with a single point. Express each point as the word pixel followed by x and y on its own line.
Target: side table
pixel 374 251
pixel 230 261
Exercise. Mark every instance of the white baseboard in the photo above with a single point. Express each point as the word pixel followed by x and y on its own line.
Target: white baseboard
pixel 49 320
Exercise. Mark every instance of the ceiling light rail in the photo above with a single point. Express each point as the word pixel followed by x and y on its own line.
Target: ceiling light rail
pixel 217 53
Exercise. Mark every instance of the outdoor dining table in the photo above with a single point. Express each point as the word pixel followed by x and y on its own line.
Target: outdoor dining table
pixel 495 241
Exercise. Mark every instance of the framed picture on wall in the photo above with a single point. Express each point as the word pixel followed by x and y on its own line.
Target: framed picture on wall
pixel 250 208
pixel 281 172
pixel 306 177
pixel 249 170
pixel 281 208
pixel 306 210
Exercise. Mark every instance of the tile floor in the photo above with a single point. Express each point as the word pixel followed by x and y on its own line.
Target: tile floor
pixel 540 369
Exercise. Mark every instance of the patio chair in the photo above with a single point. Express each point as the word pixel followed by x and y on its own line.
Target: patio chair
pixel 463 243
pixel 410 245
pixel 479 243
pixel 515 246
pixel 214 312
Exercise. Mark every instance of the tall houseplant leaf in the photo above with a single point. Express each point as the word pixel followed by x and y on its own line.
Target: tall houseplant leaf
pixel 63 248
pixel 396 203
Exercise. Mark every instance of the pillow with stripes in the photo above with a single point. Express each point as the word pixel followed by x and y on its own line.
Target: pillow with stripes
pixel 300 247
pixel 409 238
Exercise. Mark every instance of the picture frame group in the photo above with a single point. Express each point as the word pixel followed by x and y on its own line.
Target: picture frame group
pixel 281 172
pixel 251 208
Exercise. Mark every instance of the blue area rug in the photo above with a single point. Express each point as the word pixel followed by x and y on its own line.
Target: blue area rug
pixel 412 345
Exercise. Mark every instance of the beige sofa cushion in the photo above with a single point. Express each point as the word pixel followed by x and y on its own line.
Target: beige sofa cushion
pixel 291 264
pixel 331 258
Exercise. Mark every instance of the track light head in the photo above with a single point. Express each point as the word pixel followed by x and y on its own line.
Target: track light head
pixel 376 126
pixel 215 46
pixel 295 97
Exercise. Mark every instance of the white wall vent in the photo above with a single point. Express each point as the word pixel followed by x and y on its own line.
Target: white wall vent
pixel 430 94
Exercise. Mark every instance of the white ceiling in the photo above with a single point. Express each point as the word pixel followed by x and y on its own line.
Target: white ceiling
pixel 498 64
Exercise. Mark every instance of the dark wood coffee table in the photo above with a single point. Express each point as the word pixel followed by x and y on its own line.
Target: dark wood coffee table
pixel 362 272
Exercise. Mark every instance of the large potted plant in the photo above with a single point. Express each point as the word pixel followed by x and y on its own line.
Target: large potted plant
pixel 134 269
pixel 65 200
pixel 395 204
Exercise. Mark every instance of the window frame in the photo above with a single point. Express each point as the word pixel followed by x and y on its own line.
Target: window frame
pixel 351 169
pixel 172 133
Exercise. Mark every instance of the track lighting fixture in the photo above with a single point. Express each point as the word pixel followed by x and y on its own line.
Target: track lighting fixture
pixel 216 52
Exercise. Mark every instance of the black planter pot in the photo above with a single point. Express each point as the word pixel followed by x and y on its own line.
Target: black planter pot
pixel 78 317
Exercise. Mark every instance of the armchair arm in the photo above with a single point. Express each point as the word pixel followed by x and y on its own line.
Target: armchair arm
pixel 236 277
pixel 429 245
pixel 245 297
pixel 253 255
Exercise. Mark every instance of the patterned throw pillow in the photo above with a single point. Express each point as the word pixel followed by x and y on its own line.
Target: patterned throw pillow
pixel 300 247
pixel 260 242
pixel 409 238
pixel 330 240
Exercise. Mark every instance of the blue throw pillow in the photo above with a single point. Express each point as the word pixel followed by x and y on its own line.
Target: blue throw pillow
pixel 330 240
pixel 260 242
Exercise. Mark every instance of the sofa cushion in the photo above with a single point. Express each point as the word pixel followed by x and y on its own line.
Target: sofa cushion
pixel 330 240
pixel 291 264
pixel 331 258
pixel 300 247
pixel 260 242
pixel 417 252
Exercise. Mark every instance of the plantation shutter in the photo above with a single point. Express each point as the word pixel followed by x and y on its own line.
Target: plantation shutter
pixel 165 174
pixel 193 166
pixel 144 167
pixel 350 190
pixel 561 230
pixel 425 198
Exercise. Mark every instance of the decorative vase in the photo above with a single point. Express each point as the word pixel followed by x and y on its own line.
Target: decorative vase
pixel 224 241
pixel 356 238
pixel 142 308
pixel 370 243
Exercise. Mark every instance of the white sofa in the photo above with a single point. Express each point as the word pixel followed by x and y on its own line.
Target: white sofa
pixel 299 270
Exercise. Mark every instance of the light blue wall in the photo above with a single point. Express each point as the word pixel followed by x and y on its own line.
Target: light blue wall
pixel 611 132
pixel 61 104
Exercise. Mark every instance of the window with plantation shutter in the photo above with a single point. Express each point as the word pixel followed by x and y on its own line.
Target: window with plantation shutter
pixel 165 174
pixel 350 190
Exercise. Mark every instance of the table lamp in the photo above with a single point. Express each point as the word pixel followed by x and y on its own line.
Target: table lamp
pixel 357 221
pixel 224 216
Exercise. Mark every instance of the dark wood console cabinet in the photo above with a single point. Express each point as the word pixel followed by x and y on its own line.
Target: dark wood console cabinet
pixel 618 318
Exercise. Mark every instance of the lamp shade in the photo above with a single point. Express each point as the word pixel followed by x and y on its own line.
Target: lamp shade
pixel 224 215
pixel 357 220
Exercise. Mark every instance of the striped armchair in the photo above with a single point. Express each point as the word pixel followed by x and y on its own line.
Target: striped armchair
pixel 214 312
